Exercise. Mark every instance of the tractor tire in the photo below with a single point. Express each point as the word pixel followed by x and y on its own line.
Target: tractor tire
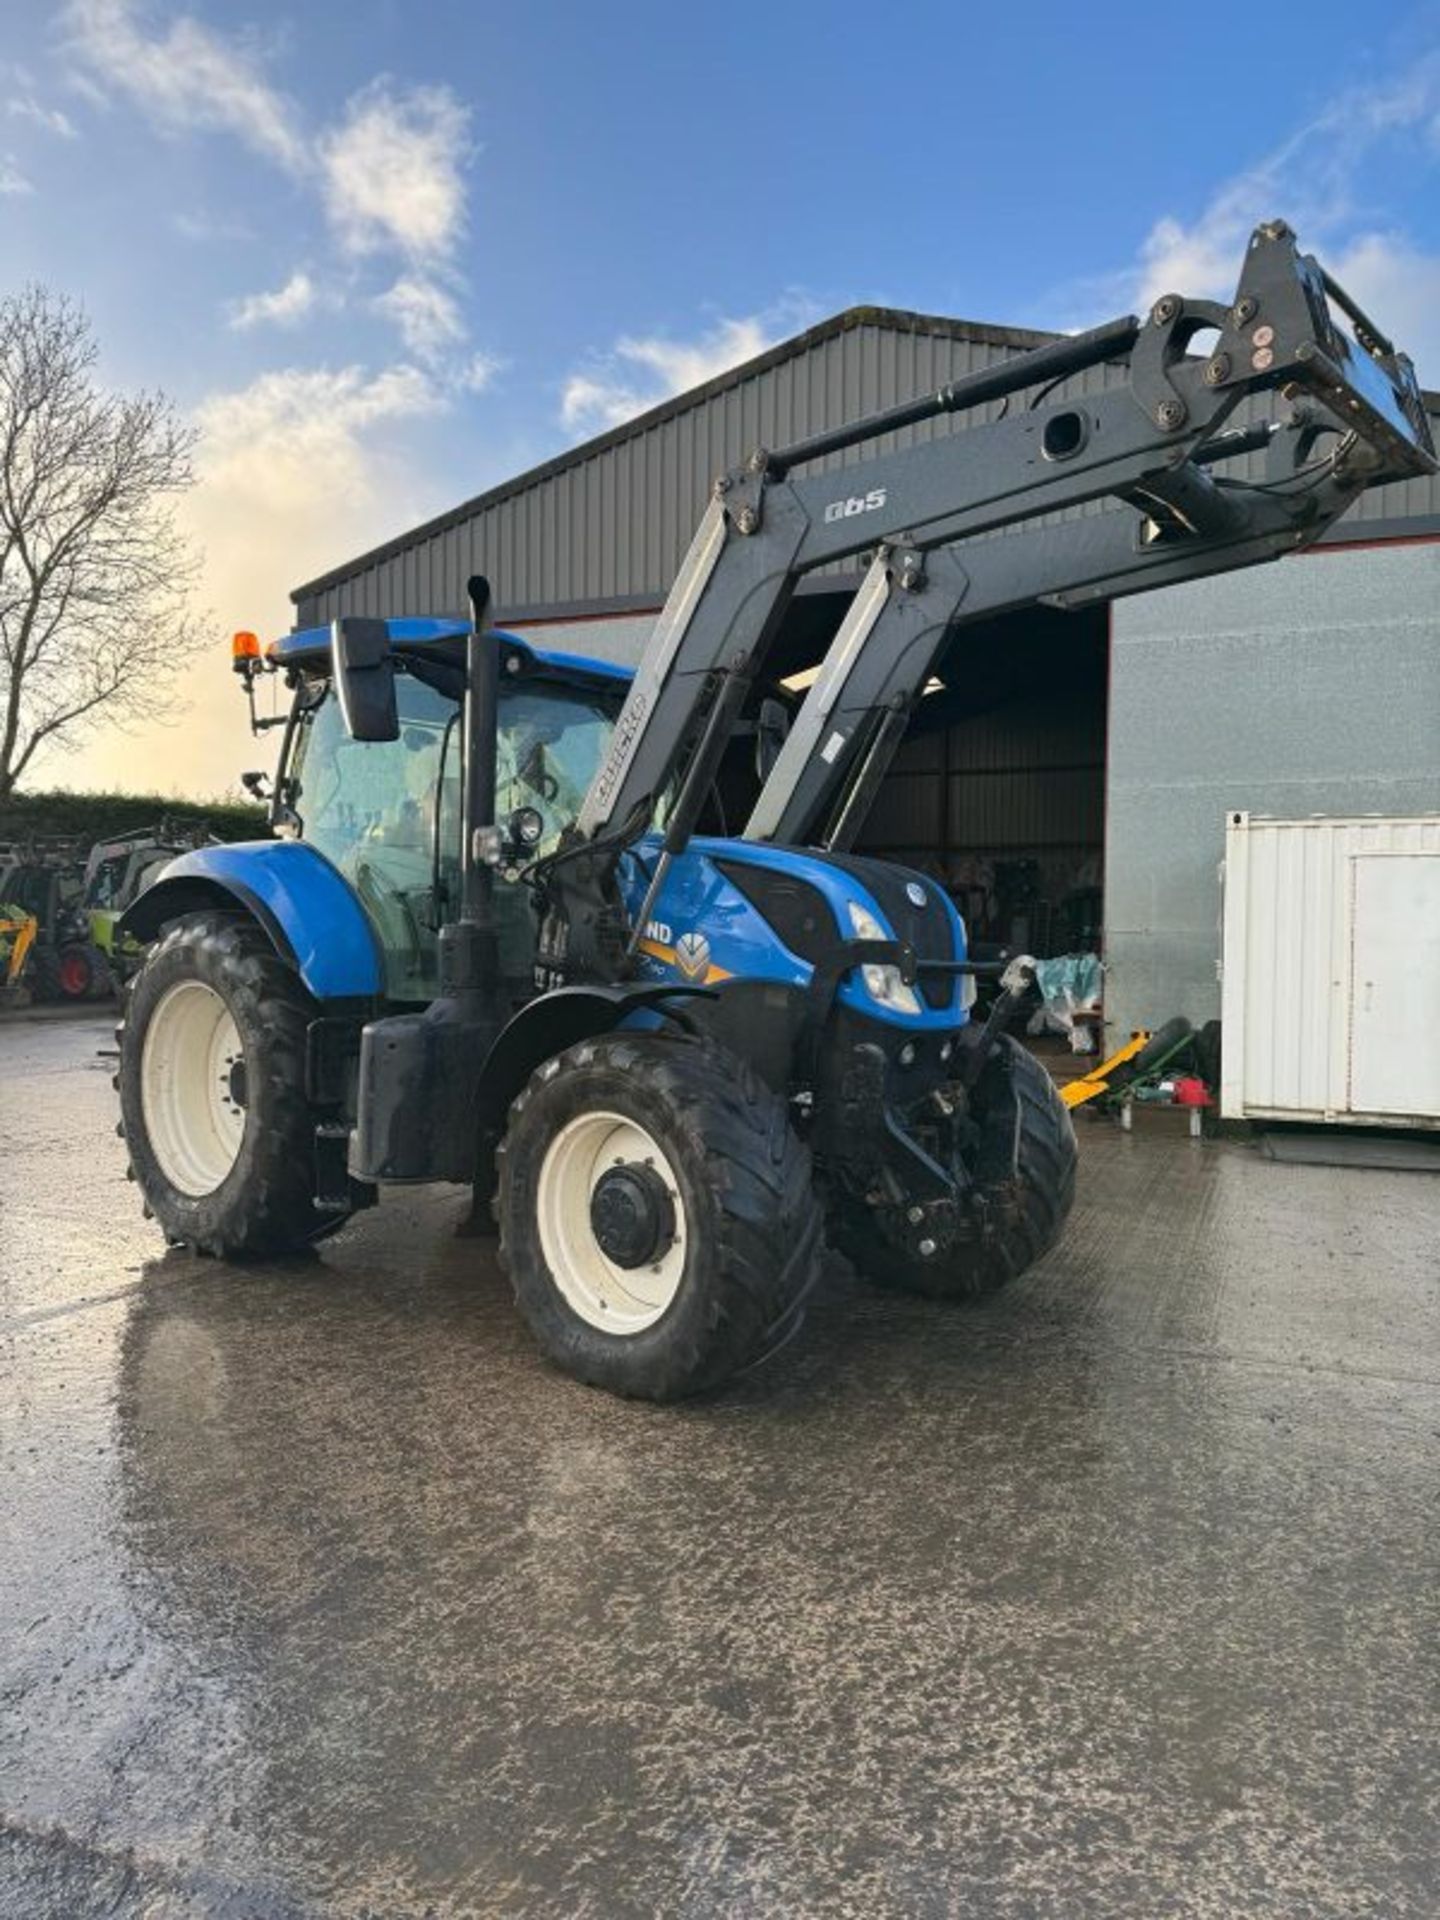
pixel 1159 1047
pixel 212 1089
pixel 658 1214
pixel 83 973
pixel 1024 1203
pixel 42 974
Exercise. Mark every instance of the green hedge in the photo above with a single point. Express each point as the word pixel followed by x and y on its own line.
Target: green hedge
pixel 95 816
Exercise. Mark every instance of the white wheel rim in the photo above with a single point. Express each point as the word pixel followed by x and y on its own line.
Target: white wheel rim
pixel 620 1300
pixel 189 1087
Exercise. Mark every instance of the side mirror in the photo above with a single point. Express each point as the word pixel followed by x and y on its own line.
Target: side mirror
pixel 364 678
pixel 772 728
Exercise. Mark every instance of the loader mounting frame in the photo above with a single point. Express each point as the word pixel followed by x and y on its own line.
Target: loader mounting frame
pixel 1146 446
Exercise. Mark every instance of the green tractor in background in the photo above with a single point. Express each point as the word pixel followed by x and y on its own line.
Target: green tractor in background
pixel 44 881
pixel 118 871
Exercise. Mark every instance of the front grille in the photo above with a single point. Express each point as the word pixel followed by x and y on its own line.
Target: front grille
pixel 796 911
pixel 800 915
pixel 926 928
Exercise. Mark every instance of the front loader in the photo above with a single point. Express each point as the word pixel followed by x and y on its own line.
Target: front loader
pixel 496 942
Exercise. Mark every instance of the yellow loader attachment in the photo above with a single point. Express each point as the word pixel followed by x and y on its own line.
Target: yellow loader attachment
pixel 1076 1092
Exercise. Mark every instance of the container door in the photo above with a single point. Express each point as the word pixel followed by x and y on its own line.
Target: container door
pixel 1395 984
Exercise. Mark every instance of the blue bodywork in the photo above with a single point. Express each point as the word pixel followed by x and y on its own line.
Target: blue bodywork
pixel 295 894
pixel 697 898
pixel 306 903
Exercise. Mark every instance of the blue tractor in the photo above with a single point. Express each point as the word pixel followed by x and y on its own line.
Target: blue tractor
pixel 501 936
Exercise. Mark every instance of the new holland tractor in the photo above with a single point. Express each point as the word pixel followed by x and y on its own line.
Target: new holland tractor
pixel 493 943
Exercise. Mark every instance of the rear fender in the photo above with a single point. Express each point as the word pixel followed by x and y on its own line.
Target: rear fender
pixel 305 906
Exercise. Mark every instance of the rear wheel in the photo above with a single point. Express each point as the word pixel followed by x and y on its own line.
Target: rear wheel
pixel 212 1091
pixel 42 973
pixel 657 1214
pixel 1021 1175
pixel 83 973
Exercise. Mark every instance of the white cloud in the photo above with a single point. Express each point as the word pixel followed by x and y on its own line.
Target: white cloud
pixel 189 76
pixel 478 372
pixel 49 119
pixel 394 171
pixel 391 173
pixel 1399 283
pixel 1311 180
pixel 295 472
pixel 589 404
pixel 204 227
pixel 640 372
pixel 305 420
pixel 1320 179
pixel 12 180
pixel 285 307
pixel 428 317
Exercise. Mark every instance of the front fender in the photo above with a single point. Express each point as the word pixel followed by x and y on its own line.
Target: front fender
pixel 302 902
pixel 554 1021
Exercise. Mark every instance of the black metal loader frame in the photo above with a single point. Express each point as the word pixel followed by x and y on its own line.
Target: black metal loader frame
pixel 1148 446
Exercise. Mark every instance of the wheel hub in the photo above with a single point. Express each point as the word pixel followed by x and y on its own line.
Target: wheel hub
pixel 631 1215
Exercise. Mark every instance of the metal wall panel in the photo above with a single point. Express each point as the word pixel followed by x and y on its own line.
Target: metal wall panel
pixel 1291 933
pixel 1311 686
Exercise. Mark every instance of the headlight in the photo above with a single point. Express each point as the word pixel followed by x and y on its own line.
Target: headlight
pixel 881 983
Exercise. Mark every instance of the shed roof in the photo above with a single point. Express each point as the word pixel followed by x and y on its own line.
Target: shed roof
pixel 893 319
pixel 604 524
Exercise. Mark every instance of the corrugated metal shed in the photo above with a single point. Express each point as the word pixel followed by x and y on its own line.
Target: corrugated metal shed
pixel 1308 688
pixel 603 526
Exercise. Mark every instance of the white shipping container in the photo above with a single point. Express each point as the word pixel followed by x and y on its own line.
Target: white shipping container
pixel 1330 978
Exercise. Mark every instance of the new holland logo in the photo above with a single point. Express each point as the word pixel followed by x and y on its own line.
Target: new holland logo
pixel 692 955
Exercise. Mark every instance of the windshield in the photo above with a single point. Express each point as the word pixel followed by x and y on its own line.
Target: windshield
pixel 550 743
pixel 387 813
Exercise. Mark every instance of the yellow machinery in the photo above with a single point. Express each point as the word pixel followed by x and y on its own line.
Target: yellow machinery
pixel 1076 1092
pixel 17 937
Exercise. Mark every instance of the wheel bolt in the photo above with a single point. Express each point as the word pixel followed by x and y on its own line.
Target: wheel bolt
pixel 927 1247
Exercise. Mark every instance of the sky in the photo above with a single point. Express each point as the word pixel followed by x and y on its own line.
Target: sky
pixel 388 253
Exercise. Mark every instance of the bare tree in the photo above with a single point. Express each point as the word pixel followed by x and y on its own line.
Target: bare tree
pixel 95 576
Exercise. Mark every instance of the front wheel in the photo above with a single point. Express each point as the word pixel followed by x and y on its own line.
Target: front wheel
pixel 657 1214
pixel 212 1091
pixel 1020 1180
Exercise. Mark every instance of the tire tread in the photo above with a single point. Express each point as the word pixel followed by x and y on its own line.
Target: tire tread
pixel 761 1199
pixel 272 1210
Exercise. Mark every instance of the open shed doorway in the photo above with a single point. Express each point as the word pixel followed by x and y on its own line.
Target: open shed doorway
pixel 999 788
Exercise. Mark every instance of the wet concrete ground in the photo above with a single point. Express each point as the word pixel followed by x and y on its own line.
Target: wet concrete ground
pixel 321 1595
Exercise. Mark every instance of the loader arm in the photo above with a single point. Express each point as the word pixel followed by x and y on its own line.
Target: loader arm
pixel 911 605
pixel 1148 442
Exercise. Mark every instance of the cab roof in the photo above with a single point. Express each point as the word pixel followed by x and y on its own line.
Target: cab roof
pixel 310 645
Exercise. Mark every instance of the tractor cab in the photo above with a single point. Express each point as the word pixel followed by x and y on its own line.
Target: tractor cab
pixel 387 813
